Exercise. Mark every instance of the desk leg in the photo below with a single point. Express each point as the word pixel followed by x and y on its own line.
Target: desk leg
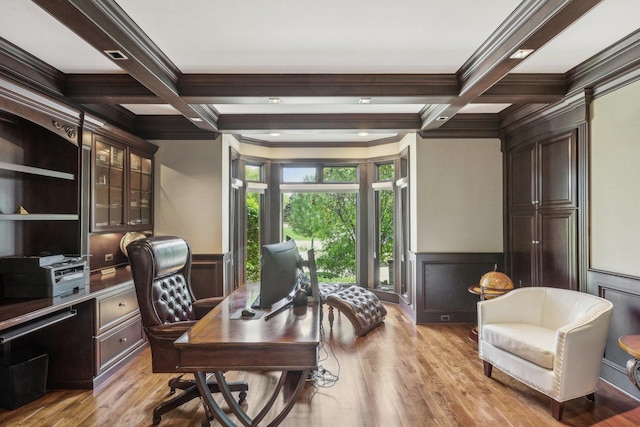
pixel 217 412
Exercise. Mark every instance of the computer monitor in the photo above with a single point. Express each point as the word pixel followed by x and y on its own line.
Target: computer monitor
pixel 279 268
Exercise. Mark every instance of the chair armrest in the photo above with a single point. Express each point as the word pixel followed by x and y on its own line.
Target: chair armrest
pixel 205 305
pixel 579 351
pixel 170 331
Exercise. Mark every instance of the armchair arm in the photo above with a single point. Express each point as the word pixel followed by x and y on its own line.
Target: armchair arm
pixel 579 351
pixel 205 305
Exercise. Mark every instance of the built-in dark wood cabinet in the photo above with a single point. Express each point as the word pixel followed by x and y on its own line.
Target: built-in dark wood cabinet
pixel 122 181
pixel 543 212
pixel 40 190
pixel 140 189
pixel 108 185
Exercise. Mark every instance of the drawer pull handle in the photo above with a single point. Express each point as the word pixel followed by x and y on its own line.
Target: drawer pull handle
pixel 123 339
pixel 122 304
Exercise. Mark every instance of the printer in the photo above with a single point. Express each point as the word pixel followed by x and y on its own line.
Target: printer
pixel 41 276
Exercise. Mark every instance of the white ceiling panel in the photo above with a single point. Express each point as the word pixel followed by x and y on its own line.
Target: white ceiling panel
pixel 304 36
pixel 317 108
pixel 608 22
pixel 32 29
pixel 151 109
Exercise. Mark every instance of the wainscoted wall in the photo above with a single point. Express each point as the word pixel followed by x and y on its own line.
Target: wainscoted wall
pixel 207 275
pixel 624 293
pixel 442 281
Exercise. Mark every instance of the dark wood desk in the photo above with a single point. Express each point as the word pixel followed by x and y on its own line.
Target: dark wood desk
pixel 287 342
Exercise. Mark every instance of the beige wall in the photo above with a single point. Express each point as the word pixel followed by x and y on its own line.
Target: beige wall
pixel 188 193
pixel 456 190
pixel 615 181
pixel 459 195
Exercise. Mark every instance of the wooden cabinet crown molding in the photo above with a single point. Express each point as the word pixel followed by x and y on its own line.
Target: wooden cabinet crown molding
pixel 49 113
pixel 97 126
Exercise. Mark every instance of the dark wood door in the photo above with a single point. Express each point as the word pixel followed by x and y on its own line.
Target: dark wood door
pixel 557 174
pixel 556 248
pixel 521 165
pixel 522 258
pixel 542 221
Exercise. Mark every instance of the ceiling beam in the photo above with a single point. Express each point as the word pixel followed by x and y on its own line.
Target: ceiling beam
pixel 176 127
pixel 105 26
pixel 531 25
pixel 238 123
pixel 212 88
pixel 256 89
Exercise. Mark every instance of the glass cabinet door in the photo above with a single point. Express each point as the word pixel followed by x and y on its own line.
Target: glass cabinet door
pixel 108 186
pixel 140 193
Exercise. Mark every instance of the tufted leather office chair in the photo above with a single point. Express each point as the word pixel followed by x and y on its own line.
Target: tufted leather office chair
pixel 161 269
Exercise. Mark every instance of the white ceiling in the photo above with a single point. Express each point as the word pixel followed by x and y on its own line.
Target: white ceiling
pixel 314 37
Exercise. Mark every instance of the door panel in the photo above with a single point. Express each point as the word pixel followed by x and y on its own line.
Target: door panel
pixel 521 184
pixel 522 255
pixel 557 249
pixel 557 185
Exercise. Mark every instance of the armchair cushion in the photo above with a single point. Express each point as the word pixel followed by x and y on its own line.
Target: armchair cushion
pixel 172 300
pixel 531 342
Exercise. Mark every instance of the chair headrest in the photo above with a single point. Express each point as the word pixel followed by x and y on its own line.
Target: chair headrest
pixel 170 254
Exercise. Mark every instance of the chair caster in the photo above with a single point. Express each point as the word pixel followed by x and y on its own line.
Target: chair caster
pixel 242 397
pixel 156 420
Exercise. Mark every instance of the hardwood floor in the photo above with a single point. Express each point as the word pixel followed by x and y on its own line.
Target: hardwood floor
pixel 398 375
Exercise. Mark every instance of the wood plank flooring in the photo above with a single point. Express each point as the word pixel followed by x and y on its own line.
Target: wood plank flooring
pixel 398 375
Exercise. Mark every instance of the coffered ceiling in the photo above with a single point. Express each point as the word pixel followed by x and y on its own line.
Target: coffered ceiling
pixel 308 72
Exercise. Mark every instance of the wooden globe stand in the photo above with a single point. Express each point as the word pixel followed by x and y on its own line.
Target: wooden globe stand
pixel 485 293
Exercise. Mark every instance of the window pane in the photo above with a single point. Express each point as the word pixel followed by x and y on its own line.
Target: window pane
pixel 298 174
pixel 252 173
pixel 327 223
pixel 385 172
pixel 253 206
pixel 384 238
pixel 339 174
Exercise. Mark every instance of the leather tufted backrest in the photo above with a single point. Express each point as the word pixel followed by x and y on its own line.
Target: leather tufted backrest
pixel 161 269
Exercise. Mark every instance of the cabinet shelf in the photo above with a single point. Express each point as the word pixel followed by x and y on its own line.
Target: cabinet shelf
pixel 39 217
pixel 36 171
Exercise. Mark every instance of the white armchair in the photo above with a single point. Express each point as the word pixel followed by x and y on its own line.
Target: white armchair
pixel 550 339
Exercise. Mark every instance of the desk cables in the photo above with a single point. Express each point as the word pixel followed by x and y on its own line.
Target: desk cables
pixel 322 377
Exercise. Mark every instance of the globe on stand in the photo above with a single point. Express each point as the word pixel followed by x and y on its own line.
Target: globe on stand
pixel 494 283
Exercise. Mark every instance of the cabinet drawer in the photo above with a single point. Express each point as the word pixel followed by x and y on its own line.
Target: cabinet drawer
pixel 115 344
pixel 116 308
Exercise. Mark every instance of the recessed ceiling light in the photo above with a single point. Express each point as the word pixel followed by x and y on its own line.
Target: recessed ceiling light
pixel 521 53
pixel 442 118
pixel 274 100
pixel 116 55
pixel 363 133
pixel 196 119
pixel 364 101
pixel 274 134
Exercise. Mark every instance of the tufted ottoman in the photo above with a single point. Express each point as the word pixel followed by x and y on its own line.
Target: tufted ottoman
pixel 361 306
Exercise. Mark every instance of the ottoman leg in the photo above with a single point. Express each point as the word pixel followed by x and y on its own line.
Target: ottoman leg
pixel 331 317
